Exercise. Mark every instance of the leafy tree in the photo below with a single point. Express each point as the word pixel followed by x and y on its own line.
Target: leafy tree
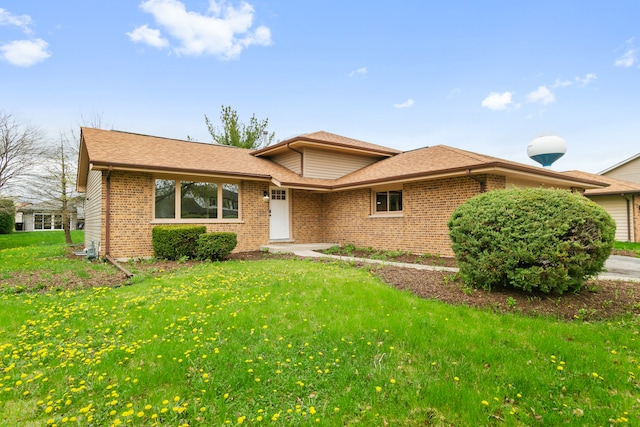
pixel 532 239
pixel 253 135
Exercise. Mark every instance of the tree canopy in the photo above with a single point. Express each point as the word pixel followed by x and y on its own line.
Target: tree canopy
pixel 253 135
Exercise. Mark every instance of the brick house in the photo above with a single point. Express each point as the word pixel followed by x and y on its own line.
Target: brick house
pixel 317 187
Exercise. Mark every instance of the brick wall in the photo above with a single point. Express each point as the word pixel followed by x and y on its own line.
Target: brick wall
pixel 341 217
pixel 307 216
pixel 132 216
pixel 427 206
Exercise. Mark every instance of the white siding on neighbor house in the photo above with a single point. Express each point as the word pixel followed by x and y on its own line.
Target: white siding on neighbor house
pixel 93 210
pixel 617 208
pixel 332 165
pixel 627 172
pixel 290 160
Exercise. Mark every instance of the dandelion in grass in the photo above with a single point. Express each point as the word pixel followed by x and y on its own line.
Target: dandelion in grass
pixel 378 389
pixel 485 403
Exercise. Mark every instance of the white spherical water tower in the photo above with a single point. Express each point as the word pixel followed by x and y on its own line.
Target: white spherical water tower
pixel 547 149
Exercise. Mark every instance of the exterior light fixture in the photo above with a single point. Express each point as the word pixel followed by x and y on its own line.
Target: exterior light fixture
pixel 265 195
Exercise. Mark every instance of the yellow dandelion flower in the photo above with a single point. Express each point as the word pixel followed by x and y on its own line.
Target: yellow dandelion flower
pixel 485 403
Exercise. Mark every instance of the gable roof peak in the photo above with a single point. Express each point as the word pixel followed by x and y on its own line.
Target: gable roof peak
pixel 330 141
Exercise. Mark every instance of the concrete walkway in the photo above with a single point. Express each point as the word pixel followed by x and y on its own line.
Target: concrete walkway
pixel 617 267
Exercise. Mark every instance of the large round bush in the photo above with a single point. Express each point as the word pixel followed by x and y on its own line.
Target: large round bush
pixel 530 238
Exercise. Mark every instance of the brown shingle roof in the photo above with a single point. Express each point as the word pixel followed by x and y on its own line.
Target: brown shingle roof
pixel 445 160
pixel 101 149
pixel 124 150
pixel 328 140
pixel 616 186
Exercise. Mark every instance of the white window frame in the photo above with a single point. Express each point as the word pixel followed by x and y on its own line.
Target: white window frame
pixel 386 189
pixel 178 187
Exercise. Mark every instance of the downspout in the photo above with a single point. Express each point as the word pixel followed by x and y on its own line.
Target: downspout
pixel 301 158
pixel 483 185
pixel 107 228
pixel 107 215
pixel 629 215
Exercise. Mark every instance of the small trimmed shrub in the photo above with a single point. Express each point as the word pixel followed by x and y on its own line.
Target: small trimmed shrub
pixel 532 239
pixel 176 242
pixel 216 246
pixel 7 216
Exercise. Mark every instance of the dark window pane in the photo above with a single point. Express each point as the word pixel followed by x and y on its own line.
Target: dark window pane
pixel 381 202
pixel 165 198
pixel 395 200
pixel 230 200
pixel 198 200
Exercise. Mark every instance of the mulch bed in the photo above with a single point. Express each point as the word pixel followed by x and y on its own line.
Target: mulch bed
pixel 599 299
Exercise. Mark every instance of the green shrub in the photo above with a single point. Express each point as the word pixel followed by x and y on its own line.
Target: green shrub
pixel 176 242
pixel 216 246
pixel 533 239
pixel 7 216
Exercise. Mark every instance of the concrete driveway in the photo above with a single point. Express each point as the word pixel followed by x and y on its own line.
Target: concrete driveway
pixel 621 268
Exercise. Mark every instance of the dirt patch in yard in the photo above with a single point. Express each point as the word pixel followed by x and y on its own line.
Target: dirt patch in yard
pixel 599 299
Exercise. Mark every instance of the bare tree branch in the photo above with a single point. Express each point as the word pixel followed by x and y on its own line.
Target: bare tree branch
pixel 20 146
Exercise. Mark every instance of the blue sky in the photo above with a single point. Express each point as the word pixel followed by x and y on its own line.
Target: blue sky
pixel 486 76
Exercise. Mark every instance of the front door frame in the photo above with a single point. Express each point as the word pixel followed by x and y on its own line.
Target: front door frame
pixel 279 213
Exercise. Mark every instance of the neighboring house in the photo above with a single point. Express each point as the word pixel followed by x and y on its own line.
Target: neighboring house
pixel 627 170
pixel 621 199
pixel 47 215
pixel 317 187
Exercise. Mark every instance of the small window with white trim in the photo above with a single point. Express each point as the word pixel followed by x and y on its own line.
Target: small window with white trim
pixel 386 201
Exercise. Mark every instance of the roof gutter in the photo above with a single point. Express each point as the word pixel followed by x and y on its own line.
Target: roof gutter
pixel 483 184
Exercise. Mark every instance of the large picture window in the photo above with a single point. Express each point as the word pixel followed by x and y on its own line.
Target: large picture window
pixel 192 200
pixel 47 221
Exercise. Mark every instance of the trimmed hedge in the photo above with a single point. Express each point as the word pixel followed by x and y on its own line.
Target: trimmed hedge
pixel 176 241
pixel 532 239
pixel 216 246
pixel 7 216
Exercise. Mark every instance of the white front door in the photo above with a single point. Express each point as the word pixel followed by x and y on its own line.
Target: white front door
pixel 279 219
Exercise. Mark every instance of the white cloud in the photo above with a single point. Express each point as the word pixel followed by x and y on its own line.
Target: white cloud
pixel 25 53
pixel 408 103
pixel 361 70
pixel 498 101
pixel 224 31
pixel 628 58
pixel 561 83
pixel 542 95
pixel 22 21
pixel 149 36
pixel 583 81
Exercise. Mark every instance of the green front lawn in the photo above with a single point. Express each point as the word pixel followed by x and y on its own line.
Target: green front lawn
pixel 295 342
